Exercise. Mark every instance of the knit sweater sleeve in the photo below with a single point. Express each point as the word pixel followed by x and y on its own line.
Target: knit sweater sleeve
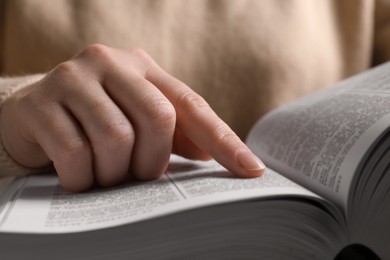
pixel 8 86
pixel 381 39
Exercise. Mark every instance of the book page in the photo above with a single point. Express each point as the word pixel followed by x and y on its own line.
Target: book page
pixel 40 205
pixel 319 140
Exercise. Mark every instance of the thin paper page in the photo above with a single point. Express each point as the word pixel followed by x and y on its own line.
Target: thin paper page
pixel 193 181
pixel 319 140
pixel 42 206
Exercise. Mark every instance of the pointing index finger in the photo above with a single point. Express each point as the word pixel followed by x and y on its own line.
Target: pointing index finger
pixel 203 127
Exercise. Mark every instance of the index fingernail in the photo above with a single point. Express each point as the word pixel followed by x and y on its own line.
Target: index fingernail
pixel 250 162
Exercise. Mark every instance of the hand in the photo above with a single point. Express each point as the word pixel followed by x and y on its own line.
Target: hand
pixel 107 112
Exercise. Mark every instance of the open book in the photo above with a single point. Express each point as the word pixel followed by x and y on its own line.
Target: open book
pixel 327 186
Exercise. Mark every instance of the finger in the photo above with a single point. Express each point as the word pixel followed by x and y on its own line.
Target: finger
pixel 185 147
pixel 65 144
pixel 110 133
pixel 203 127
pixel 152 116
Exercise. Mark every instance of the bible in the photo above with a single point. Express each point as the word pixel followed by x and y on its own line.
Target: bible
pixel 325 192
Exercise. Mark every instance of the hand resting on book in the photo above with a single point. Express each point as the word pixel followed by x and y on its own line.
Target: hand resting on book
pixel 107 112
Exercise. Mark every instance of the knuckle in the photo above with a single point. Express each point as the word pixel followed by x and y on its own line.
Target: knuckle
pixel 63 80
pixel 119 134
pixel 140 54
pixel 191 102
pixel 224 135
pixel 143 58
pixel 70 149
pixel 162 115
pixel 65 71
pixel 100 53
pixel 96 50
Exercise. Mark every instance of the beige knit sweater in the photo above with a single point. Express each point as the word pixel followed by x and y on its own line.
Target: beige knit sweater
pixel 245 57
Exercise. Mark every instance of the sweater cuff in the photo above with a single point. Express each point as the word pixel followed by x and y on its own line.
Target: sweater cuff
pixel 8 86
